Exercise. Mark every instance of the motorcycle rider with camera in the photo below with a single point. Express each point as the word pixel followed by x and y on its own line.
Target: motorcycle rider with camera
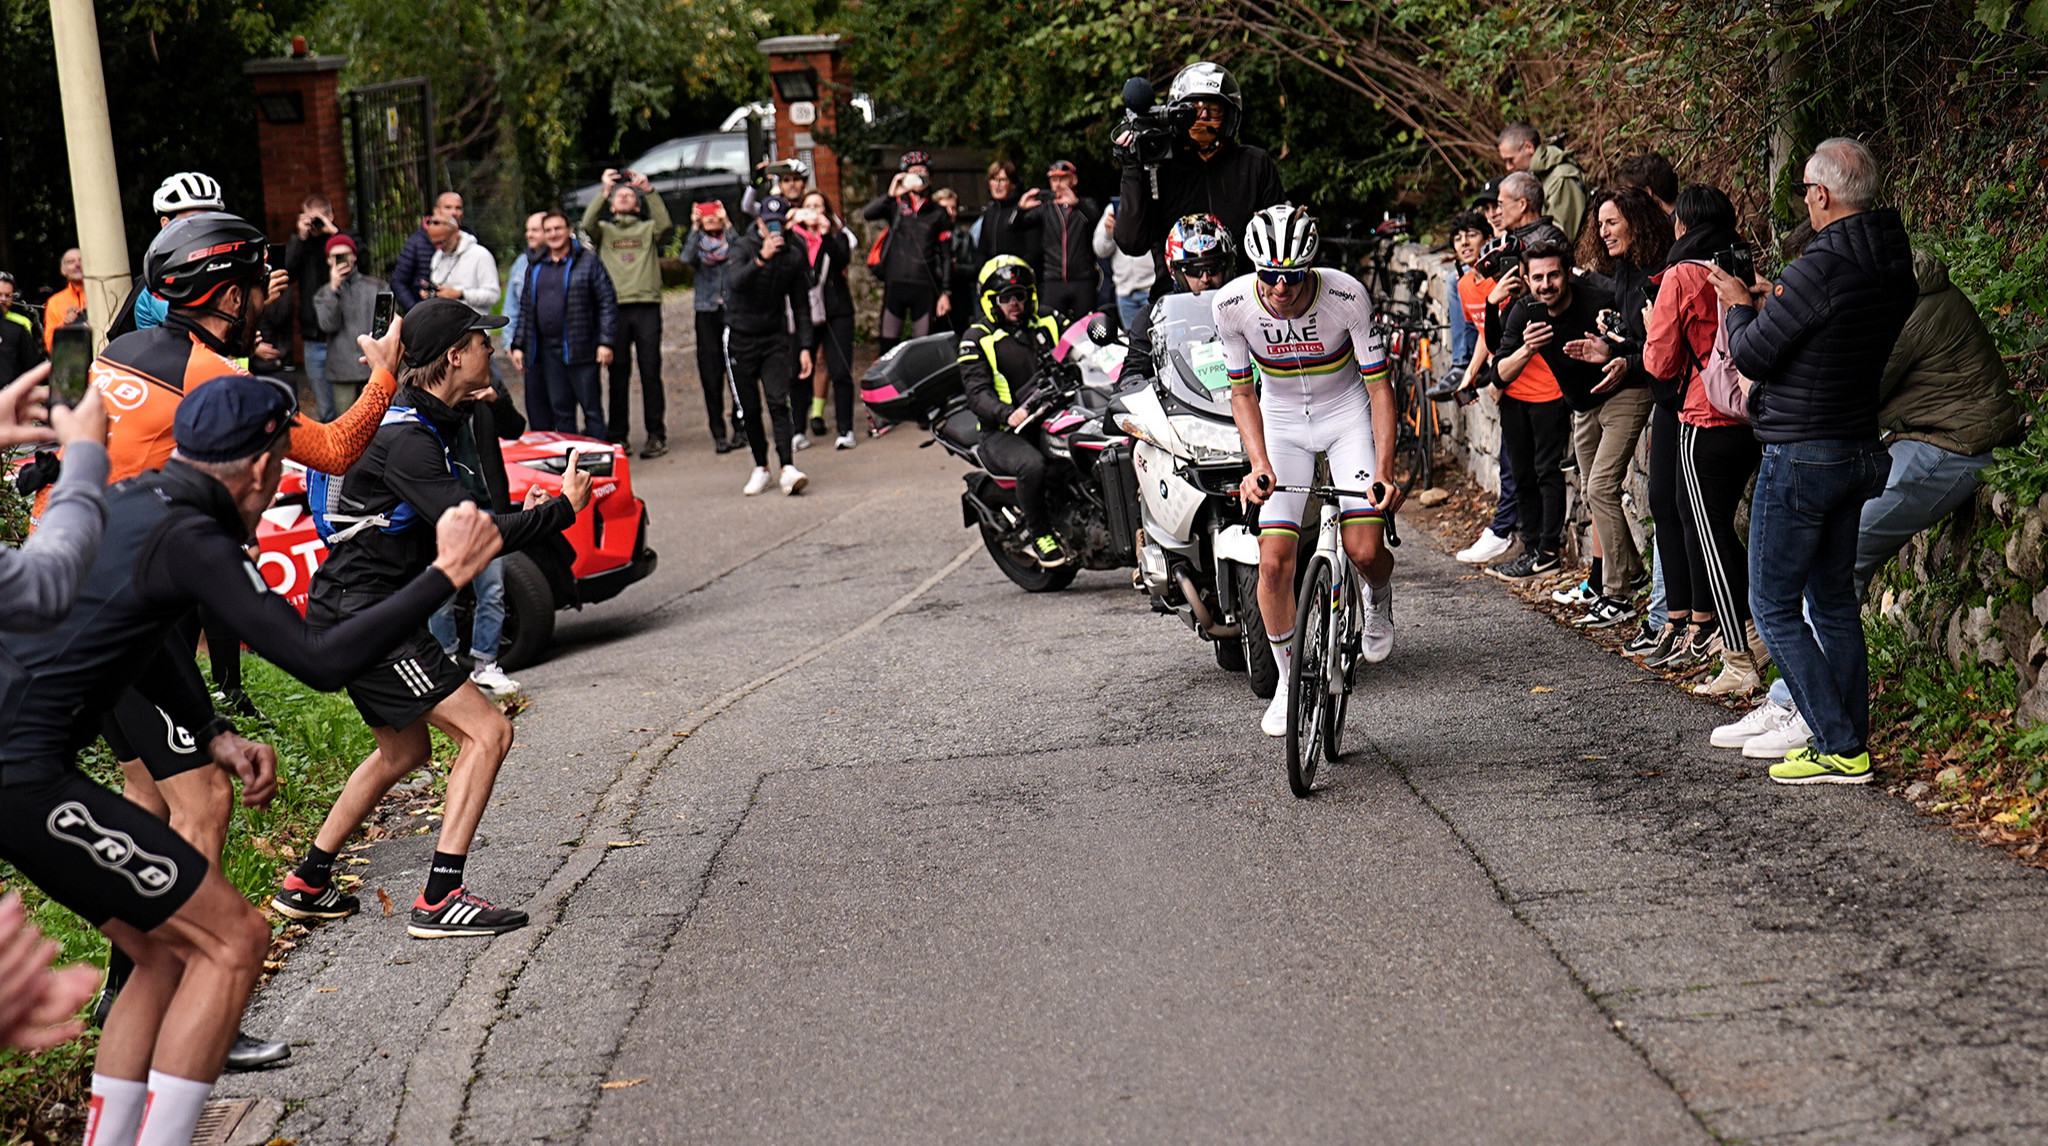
pixel 1326 389
pixel 1200 257
pixel 999 366
pixel 1203 169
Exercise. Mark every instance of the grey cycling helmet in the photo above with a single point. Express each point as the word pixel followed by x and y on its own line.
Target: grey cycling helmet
pixel 188 191
pixel 1200 81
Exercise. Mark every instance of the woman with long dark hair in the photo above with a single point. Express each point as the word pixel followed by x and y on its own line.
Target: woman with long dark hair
pixel 833 364
pixel 1715 455
pixel 1629 238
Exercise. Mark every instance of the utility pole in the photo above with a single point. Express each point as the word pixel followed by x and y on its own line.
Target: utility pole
pixel 95 189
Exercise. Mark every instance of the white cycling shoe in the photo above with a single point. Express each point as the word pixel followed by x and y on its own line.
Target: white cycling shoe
pixel 1274 723
pixel 1379 625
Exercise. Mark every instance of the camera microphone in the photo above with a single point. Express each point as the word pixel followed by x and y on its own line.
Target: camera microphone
pixel 1138 94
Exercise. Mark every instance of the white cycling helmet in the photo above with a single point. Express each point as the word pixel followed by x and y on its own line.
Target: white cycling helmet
pixel 1281 238
pixel 188 191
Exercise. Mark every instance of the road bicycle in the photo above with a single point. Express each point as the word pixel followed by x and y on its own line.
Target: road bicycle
pixel 1405 325
pixel 1328 638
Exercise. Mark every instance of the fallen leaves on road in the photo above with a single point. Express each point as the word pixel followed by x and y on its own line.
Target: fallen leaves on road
pixel 620 1084
pixel 384 898
pixel 1542 688
pixel 625 843
pixel 325 990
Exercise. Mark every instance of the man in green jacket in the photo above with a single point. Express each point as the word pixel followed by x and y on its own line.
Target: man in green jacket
pixel 626 225
pixel 1946 402
pixel 1564 185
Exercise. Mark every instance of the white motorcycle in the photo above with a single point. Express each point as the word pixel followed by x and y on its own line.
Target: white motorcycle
pixel 1197 558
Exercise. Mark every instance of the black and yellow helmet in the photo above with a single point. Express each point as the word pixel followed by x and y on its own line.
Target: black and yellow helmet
pixel 1005 274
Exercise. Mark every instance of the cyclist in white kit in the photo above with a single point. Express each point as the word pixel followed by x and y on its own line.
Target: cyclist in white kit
pixel 1326 389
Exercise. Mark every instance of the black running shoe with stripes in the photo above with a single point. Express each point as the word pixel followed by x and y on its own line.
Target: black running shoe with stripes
pixel 461 914
pixel 301 900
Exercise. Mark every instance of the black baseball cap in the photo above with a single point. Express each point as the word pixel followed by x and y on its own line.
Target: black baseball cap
pixel 1489 193
pixel 433 327
pixel 231 417
pixel 774 209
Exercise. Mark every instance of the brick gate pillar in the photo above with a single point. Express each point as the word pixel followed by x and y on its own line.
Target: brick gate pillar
pixel 298 137
pixel 808 83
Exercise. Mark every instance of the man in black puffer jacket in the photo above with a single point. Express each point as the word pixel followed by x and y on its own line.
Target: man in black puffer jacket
pixel 1817 350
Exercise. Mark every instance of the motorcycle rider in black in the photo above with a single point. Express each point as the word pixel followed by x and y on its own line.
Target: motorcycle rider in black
pixel 1200 256
pixel 1211 173
pixel 999 358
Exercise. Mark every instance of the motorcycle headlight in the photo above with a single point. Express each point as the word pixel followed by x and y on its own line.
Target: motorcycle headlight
pixel 1209 441
pixel 1132 425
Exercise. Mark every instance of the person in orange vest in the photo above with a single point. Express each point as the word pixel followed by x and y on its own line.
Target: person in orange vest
pixel 68 305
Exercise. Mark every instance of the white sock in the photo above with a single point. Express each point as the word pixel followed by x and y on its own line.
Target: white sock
pixel 175 1105
pixel 116 1111
pixel 1283 654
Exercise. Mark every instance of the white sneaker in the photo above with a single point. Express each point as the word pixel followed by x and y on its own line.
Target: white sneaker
pixel 793 480
pixel 1274 723
pixel 845 442
pixel 1766 717
pixel 1579 594
pixel 1775 744
pixel 1379 624
pixel 758 482
pixel 1489 546
pixel 492 679
pixel 799 442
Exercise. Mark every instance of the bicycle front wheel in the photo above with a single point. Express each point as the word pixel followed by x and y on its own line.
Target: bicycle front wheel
pixel 1344 658
pixel 1424 467
pixel 1308 683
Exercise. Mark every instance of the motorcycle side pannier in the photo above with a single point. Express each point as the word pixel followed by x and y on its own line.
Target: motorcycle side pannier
pixel 914 379
pixel 1118 476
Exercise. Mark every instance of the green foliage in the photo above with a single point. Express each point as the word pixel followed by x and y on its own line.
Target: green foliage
pixel 516 84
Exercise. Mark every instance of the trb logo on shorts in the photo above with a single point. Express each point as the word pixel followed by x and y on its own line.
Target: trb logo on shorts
pixel 152 875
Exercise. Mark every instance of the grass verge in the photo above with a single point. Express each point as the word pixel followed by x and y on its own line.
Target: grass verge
pixel 319 739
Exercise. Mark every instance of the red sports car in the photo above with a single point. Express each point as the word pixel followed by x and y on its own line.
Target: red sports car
pixel 605 551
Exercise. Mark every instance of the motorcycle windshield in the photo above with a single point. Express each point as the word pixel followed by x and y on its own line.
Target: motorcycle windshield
pixel 1187 356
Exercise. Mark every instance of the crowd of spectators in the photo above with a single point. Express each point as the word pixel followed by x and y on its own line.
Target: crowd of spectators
pixel 1858 390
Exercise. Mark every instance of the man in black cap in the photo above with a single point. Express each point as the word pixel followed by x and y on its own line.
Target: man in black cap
pixel 413 471
pixel 1066 241
pixel 174 540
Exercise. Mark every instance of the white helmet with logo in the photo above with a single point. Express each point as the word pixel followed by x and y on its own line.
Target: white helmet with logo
pixel 1281 238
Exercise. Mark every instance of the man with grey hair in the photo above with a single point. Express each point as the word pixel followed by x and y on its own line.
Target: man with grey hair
pixel 1564 185
pixel 1521 211
pixel 1817 349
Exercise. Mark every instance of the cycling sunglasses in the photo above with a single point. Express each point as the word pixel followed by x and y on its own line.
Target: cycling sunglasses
pixel 1290 278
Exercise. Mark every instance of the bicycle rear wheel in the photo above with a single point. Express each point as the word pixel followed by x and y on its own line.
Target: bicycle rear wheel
pixel 1308 684
pixel 1424 465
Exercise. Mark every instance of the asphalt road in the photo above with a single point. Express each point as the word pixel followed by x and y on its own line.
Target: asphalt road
pixel 830 834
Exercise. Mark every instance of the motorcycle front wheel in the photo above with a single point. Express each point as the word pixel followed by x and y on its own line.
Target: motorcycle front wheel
pixel 1254 649
pixel 1029 575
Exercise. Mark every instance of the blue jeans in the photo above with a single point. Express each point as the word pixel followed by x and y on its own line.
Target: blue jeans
pixel 1927 483
pixel 1803 525
pixel 1129 306
pixel 489 622
pixel 1660 615
pixel 316 376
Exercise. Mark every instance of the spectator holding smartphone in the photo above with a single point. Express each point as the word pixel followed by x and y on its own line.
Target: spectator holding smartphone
pixel 913 259
pixel 343 310
pixel 307 261
pixel 707 248
pixel 832 364
pixel 1065 224
pixel 627 223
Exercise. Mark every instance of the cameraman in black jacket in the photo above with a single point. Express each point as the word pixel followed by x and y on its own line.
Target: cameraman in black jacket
pixel 1210 172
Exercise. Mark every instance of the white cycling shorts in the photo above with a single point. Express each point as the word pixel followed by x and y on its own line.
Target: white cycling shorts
pixel 1340 429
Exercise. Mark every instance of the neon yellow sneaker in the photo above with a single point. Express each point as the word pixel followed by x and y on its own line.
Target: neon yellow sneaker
pixel 1805 766
pixel 1049 552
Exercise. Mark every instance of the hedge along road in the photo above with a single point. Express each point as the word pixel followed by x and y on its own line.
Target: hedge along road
pixel 831 834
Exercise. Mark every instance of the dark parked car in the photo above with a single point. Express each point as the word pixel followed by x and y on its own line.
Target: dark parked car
pixel 693 169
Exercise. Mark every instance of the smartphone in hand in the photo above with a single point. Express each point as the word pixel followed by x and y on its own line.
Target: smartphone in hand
pixel 70 363
pixel 380 315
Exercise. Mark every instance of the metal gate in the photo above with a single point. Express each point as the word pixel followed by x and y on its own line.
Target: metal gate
pixel 391 148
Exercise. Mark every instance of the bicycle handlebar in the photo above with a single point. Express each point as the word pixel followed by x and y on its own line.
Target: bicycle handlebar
pixel 1330 493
